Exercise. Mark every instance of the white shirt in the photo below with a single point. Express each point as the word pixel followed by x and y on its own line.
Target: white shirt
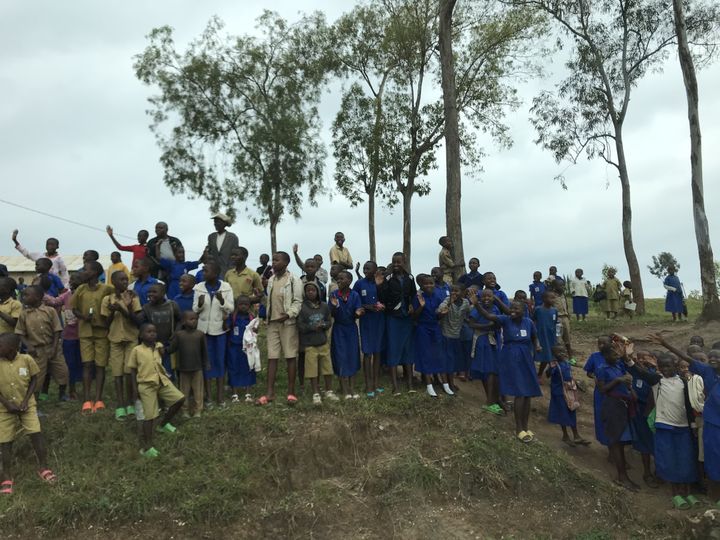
pixel 220 239
pixel 670 402
pixel 579 287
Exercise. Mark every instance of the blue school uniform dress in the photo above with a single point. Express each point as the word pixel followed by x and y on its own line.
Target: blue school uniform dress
pixel 558 412
pixel 471 278
pixel 216 345
pixel 185 301
pixel 592 367
pixel 56 285
pixel 466 340
pixel 428 341
pixel 372 324
pixel 345 344
pixel 442 291
pixel 673 299
pixel 485 354
pixel 643 438
pixel 238 369
pixel 537 289
pixel 516 368
pixel 614 411
pixel 580 305
pixel 174 270
pixel 141 288
pixel 545 323
pixel 501 295
pixel 711 418
pixel 399 329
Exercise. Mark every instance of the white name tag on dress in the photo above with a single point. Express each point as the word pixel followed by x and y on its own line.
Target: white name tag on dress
pixel 523 333
pixel 23 372
pixel 363 293
pixel 236 331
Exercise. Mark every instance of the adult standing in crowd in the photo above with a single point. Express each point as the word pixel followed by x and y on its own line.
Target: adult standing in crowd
pixel 222 242
pixel 168 244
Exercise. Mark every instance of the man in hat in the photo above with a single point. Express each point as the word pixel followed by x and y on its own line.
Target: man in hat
pixel 222 242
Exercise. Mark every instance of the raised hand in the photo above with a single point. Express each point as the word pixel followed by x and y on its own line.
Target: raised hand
pixel 295 248
pixel 421 299
pixel 109 230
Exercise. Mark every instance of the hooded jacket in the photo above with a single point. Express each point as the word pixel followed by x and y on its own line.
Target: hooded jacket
pixel 310 314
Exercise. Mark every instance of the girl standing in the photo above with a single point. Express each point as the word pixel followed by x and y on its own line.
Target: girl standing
pixel 372 327
pixel 345 307
pixel 485 352
pixel 674 297
pixel 240 377
pixel 546 320
pixel 559 412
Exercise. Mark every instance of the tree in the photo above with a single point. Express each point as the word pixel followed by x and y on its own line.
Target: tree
pixel 615 43
pixel 236 117
pixel 661 262
pixel 711 303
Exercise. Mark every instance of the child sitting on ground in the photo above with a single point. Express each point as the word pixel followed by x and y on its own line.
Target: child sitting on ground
pixel 560 411
pixel 188 344
pixel 240 377
pixel 18 380
pixel 153 383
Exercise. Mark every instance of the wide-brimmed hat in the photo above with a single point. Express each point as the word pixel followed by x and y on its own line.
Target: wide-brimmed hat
pixel 223 217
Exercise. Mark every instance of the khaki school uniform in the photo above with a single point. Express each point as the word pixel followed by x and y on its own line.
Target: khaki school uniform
pixel 341 255
pixel 612 288
pixel 447 265
pixel 122 333
pixel 152 380
pixel 39 327
pixel 15 378
pixel 243 283
pixel 560 304
pixel 282 337
pixel 94 345
pixel 12 308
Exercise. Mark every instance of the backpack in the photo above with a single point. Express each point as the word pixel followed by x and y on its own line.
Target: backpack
pixel 599 295
pixel 570 393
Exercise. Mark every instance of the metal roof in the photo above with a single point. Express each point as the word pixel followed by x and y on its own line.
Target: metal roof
pixel 18 263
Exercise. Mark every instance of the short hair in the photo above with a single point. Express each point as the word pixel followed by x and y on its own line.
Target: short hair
pixel 44 260
pixel 118 273
pixel 187 276
pixel 243 297
pixel 398 254
pixel 93 253
pixel 188 312
pixel 147 263
pixel 10 338
pixel 345 272
pixel 242 250
pixel 95 266
pixel 158 285
pixel 284 255
pixel 37 289
pixel 474 259
pixel 115 253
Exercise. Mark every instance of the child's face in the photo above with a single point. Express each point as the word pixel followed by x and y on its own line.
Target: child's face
pixel 9 348
pixel 436 274
pixel 455 294
pixel 474 264
pixel 75 281
pixel 487 298
pixel 667 367
pixel 537 276
pixel 88 256
pixel 114 257
pixel 31 297
pixel 552 271
pixel 318 260
pixel 155 295
pixel 335 269
pixel 186 284
pixel 51 246
pixel 148 334
pixel 343 280
pixel 238 257
pixel 42 266
pixel 369 270
pixel 243 306
pixel 516 310
pixel 139 270
pixel 611 273
pixel 264 259
pixel 560 353
pixel 428 286
pixel 279 264
pixel 89 271
pixel 490 281
pixel 398 263
pixel 190 320
pixel 579 273
pixel 142 236
pixel 339 239
pixel 120 281
pixel 521 296
pixel 180 254
pixel 714 360
pixel 210 272
pixel 311 293
pixel 6 288
pixel 310 268
pixel 548 298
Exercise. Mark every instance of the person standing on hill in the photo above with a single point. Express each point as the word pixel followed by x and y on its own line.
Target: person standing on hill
pixel 612 287
pixel 580 289
pixel 222 242
pixel 674 299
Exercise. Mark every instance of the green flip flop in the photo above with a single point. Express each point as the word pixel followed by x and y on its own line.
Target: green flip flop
pixel 693 500
pixel 168 428
pixel 680 503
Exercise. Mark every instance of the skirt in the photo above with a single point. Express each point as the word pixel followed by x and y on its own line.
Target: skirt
pixel 71 351
pixel 399 340
pixel 485 361
pixel 580 305
pixel 643 438
pixel 345 349
pixel 558 412
pixel 597 410
pixel 429 352
pixel 516 371
pixel 615 421
pixel 454 357
pixel 372 332
pixel 216 348
pixel 675 454
pixel 238 370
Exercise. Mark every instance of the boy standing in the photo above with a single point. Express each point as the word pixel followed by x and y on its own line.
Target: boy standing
pixel 18 379
pixel 189 345
pixel 39 329
pixel 117 265
pixel 313 323
pixel 243 280
pixel 445 258
pixel 184 300
pixel 51 247
pixel 138 250
pixel 164 315
pixel 143 280
pixel 9 307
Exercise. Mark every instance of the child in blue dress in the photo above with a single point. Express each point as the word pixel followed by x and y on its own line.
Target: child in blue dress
pixel 184 299
pixel 522 297
pixel 473 277
pixel 372 327
pixel 592 367
pixel 240 377
pixel 674 298
pixel 643 438
pixel 516 370
pixel 490 282
pixel 485 352
pixel 429 354
pixel 537 288
pixel 175 269
pixel 560 372
pixel 546 319
pixel 442 289
pixel 345 307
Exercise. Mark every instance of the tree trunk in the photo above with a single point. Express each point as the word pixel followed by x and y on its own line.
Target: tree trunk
pixel 711 303
pixel 630 256
pixel 453 190
pixel 273 235
pixel 407 194
pixel 371 226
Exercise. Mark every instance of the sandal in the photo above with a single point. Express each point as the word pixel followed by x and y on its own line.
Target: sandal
pixel 524 436
pixel 582 442
pixel 235 398
pixel 679 503
pixel 693 500
pixel 262 401
pixel 292 399
pixel 150 452
pixel 87 407
pixel 493 409
pixel 47 475
pixel 6 487
pixel 168 428
pixel 370 394
pixel 98 406
pixel 249 398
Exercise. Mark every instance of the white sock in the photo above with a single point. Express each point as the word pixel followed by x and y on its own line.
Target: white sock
pixel 431 390
pixel 447 389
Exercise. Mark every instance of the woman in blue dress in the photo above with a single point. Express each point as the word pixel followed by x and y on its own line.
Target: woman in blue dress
pixel 484 364
pixel 345 307
pixel 674 302
pixel 516 369
pixel 430 356
pixel 372 328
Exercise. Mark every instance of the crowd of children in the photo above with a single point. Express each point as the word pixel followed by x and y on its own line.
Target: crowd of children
pixel 182 341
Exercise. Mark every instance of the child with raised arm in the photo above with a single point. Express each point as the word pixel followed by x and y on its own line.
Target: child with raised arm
pixel 485 347
pixel 453 311
pixel 18 381
pixel 122 312
pixel 174 268
pixel 559 410
pixel 430 358
pixel 51 253
pixel 94 347
pixel 213 303
pixel 345 308
pixel 516 368
pixel 153 383
pixel 138 250
pixel 39 329
pixel 313 323
pixel 190 348
pixel 396 292
pixel 241 377
pixel 372 328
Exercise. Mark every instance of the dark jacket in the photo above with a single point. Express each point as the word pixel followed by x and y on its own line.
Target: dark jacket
pixel 191 350
pixel 310 314
pixel 397 294
pixel 223 256
pixel 155 270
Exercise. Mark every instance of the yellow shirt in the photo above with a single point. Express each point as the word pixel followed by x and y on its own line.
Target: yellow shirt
pixel 114 268
pixel 243 283
pixel 10 307
pixel 85 299
pixel 341 255
pixel 15 378
pixel 38 325
pixel 121 328
pixel 612 288
pixel 148 363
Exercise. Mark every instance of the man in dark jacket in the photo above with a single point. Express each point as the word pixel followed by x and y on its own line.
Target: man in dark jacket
pixel 168 244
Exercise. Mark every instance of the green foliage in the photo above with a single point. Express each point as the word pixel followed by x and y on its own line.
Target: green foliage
pixel 661 262
pixel 236 117
pixel 606 268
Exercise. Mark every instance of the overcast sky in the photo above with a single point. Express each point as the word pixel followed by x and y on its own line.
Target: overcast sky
pixel 74 141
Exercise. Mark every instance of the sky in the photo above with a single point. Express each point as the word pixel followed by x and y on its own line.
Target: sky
pixel 75 142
